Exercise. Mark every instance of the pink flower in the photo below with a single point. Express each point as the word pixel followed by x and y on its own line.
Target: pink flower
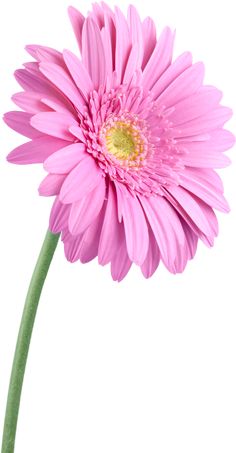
pixel 129 140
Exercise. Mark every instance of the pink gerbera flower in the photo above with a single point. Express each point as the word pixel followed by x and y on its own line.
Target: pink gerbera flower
pixel 129 140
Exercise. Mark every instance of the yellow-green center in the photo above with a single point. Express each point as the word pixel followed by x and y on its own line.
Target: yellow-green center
pixel 123 141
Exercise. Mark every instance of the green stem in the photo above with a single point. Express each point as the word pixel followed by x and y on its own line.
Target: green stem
pixel 23 341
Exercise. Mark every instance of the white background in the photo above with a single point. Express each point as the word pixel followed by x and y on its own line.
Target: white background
pixel 140 366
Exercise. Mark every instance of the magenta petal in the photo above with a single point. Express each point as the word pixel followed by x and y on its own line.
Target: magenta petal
pixel 90 239
pixel 81 180
pixel 84 211
pixel 20 122
pixel 64 160
pixel 54 123
pixel 51 185
pixel 59 216
pixel 136 231
pixel 35 151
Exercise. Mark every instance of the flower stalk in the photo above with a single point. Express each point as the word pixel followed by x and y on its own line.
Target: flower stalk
pixel 23 341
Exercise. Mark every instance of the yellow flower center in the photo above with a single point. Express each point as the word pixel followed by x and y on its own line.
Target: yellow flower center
pixel 124 141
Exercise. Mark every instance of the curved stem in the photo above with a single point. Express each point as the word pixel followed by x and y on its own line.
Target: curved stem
pixel 23 341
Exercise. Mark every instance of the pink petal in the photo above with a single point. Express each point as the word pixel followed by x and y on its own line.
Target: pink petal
pixel 64 160
pixel 193 208
pixel 167 230
pixel 54 123
pixel 132 64
pixel 200 103
pixel 152 259
pixel 136 34
pixel 77 20
pixel 20 122
pixel 160 58
pixel 181 63
pixel 123 44
pixel 108 40
pixel 78 73
pixel 51 185
pixel 206 159
pixel 192 180
pixel 205 123
pixel 34 82
pixel 84 211
pixel 78 133
pixel 149 39
pixel 120 263
pixel 35 151
pixel 43 53
pixel 93 53
pixel 191 239
pixel 218 140
pixel 109 239
pixel 186 84
pixel 59 216
pixel 29 101
pixel 72 247
pixel 135 225
pixel 81 180
pixel 61 79
pixel 90 239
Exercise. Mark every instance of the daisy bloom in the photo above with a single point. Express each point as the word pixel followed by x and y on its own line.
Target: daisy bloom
pixel 129 139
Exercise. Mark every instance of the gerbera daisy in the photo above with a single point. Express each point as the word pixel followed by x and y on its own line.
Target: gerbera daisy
pixel 130 140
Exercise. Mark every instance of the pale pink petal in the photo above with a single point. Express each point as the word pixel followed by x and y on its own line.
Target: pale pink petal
pixel 218 140
pixel 64 160
pixel 191 239
pixel 90 239
pixel 84 211
pixel 132 64
pixel 186 84
pixel 160 58
pixel 93 55
pixel 20 122
pixel 149 39
pixel 152 259
pixel 120 263
pixel 81 180
pixel 77 20
pixel 35 151
pixel 109 239
pixel 136 34
pixel 206 159
pixel 192 208
pixel 43 53
pixel 181 63
pixel 123 44
pixel 54 123
pixel 193 180
pixel 136 230
pixel 51 185
pixel 30 102
pixel 200 103
pixel 78 73
pixel 61 79
pixel 72 247
pixel 205 123
pixel 167 230
pixel 59 216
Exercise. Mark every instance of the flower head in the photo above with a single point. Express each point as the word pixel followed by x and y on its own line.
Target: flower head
pixel 129 140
